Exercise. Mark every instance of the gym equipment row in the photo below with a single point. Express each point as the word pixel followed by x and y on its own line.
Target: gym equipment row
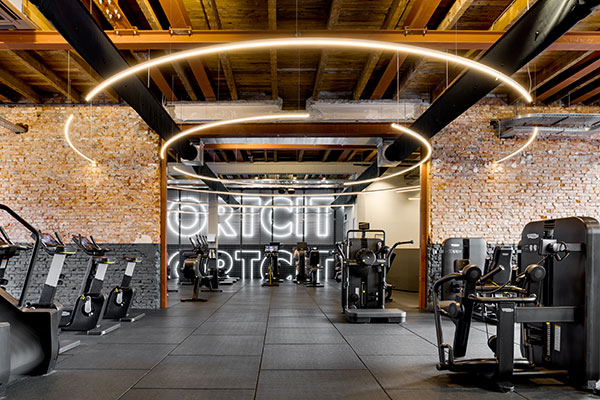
pixel 550 295
pixel 29 332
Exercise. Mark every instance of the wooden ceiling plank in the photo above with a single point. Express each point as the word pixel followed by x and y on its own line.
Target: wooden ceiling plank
pixel 300 155
pixel 19 86
pixel 272 16
pixel 508 17
pixel 214 22
pixel 148 12
pixel 325 156
pixel 179 19
pixel 418 17
pixel 185 81
pixel 586 96
pixel 334 14
pixel 344 155
pixel 34 63
pixel 390 22
pixel 564 83
pixel 459 7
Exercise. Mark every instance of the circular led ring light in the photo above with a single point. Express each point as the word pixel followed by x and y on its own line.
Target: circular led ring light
pixel 67 127
pixel 350 183
pixel 520 149
pixel 318 42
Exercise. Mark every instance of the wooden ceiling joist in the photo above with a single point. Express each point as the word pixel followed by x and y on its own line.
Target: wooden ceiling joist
pixel 390 22
pixel 214 21
pixel 272 16
pixel 571 79
pixel 334 14
pixel 344 155
pixel 185 81
pixel 179 19
pixel 449 22
pixel 35 64
pixel 418 17
pixel 89 73
pixel 149 13
pixel 18 85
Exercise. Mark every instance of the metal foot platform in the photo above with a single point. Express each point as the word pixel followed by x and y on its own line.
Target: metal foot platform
pixel 103 329
pixel 133 318
pixel 196 300
pixel 67 344
pixel 364 315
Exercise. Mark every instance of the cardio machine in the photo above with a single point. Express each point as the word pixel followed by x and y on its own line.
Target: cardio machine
pixel 120 298
pixel 364 269
pixel 301 276
pixel 553 299
pixel 28 337
pixel 194 268
pixel 89 306
pixel 54 246
pixel 314 265
pixel 271 277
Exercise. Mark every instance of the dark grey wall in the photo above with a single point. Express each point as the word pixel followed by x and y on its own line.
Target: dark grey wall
pixel 146 277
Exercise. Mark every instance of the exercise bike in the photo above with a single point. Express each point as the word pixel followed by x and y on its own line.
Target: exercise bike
pixel 272 275
pixel 89 306
pixel 120 298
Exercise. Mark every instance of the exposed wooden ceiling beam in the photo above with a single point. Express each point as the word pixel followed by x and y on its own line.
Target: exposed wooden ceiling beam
pixel 334 14
pixel 300 155
pixel 214 155
pixel 324 159
pixel 214 21
pixel 508 17
pixel 570 80
pixel 418 17
pixel 275 155
pixel 149 13
pixel 272 15
pixel 344 155
pixel 19 86
pixel 390 22
pixel 452 16
pixel 185 81
pixel 238 155
pixel 179 19
pixel 5 99
pixel 371 156
pixel 586 96
pixel 36 64
pixel 158 78
pixel 164 40
pixel 224 155
pixel 89 72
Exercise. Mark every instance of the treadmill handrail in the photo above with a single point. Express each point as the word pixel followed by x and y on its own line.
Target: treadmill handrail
pixel 31 265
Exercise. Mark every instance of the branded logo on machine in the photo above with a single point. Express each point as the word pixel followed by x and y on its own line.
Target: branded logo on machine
pixel 533 236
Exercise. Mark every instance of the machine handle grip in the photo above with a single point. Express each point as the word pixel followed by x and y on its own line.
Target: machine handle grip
pixel 492 273
pixel 398 244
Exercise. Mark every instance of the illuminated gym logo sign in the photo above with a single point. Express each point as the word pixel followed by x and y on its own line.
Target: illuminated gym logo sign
pixel 282 223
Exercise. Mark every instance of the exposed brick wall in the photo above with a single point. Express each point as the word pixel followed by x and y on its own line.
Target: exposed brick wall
pixel 118 201
pixel 557 176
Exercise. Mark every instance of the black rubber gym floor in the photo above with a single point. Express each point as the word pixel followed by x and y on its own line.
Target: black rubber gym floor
pixel 253 342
